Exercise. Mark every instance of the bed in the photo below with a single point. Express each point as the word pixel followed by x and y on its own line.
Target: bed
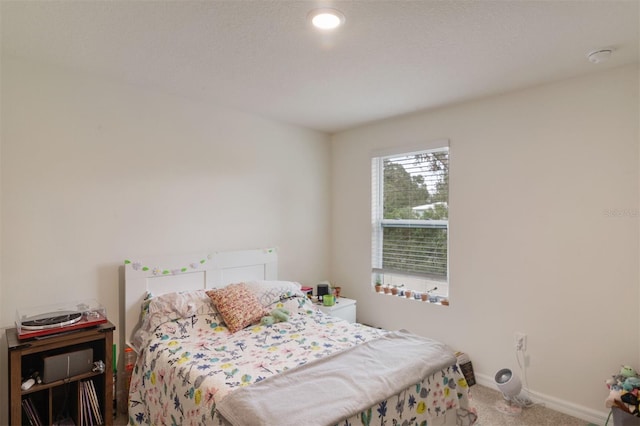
pixel 205 356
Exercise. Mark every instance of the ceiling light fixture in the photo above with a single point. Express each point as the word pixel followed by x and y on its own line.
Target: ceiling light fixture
pixel 326 19
pixel 599 56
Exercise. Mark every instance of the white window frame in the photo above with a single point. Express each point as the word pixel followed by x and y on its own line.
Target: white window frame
pixel 417 282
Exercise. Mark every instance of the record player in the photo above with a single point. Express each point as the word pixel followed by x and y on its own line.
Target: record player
pixel 60 318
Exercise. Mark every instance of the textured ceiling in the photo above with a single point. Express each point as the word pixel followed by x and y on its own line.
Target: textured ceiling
pixel 390 58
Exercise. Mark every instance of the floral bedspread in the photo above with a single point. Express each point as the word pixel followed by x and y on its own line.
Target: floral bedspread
pixel 191 363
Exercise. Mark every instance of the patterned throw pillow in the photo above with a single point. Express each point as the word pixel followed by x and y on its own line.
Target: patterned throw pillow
pixel 238 306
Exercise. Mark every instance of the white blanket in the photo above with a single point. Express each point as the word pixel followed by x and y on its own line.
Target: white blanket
pixel 331 389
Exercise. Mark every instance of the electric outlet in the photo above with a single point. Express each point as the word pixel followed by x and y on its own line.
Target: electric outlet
pixel 521 342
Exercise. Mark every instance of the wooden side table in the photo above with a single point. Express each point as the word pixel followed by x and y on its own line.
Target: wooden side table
pixel 49 401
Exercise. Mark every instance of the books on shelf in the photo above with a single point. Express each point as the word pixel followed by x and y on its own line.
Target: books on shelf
pixel 90 414
pixel 31 413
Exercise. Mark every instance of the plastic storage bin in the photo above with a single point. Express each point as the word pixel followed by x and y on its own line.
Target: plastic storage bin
pixel 620 418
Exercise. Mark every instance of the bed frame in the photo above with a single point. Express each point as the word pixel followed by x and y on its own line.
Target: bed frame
pixel 160 275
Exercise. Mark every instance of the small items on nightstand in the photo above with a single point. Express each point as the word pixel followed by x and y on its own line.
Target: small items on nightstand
pixel 321 290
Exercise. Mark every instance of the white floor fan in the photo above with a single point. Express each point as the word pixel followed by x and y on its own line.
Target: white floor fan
pixel 510 386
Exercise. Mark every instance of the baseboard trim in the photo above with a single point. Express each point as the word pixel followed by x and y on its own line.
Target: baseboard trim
pixel 566 407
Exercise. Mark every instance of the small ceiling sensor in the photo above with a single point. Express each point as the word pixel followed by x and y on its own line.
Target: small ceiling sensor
pixel 326 18
pixel 599 56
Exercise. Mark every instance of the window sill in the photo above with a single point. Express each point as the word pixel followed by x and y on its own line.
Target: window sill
pixel 432 300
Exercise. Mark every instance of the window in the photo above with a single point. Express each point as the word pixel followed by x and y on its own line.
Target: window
pixel 410 221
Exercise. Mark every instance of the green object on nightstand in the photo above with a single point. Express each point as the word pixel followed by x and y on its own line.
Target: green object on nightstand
pixel 328 300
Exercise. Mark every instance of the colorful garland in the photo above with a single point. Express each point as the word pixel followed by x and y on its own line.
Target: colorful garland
pixel 137 266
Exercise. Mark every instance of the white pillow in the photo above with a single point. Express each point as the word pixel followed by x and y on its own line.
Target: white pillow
pixel 157 310
pixel 270 292
pixel 184 304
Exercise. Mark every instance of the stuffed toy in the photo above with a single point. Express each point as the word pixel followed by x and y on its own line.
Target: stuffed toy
pixel 617 382
pixel 624 389
pixel 277 315
pixel 627 371
pixel 631 383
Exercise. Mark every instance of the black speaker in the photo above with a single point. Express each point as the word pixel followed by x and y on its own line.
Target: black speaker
pixel 322 289
pixel 63 366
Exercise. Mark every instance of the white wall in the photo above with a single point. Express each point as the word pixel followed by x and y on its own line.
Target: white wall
pixel 534 178
pixel 95 172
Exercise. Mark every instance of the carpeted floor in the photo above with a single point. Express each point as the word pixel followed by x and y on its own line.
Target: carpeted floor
pixel 485 399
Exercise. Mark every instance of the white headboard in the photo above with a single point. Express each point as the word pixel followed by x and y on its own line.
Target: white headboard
pixel 191 272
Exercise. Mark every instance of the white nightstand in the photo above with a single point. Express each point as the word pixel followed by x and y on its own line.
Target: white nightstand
pixel 344 308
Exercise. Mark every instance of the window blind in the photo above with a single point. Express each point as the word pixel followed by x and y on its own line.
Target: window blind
pixel 410 213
